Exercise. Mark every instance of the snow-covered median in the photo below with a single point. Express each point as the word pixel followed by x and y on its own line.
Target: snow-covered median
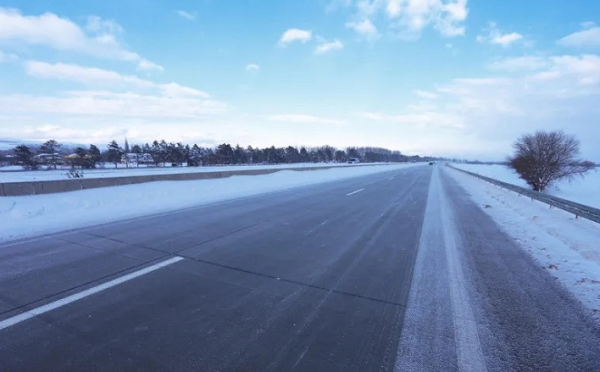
pixel 567 247
pixel 109 171
pixel 583 190
pixel 24 216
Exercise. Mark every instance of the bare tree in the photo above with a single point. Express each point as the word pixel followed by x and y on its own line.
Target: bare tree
pixel 545 157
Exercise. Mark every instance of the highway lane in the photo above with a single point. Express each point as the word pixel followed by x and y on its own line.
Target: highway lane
pixel 393 271
pixel 264 278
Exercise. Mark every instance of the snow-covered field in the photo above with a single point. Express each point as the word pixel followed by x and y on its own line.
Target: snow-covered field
pixel 32 215
pixel 568 248
pixel 584 190
pixel 109 171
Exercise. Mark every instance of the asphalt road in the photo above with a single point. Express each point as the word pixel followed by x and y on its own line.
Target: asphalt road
pixel 397 271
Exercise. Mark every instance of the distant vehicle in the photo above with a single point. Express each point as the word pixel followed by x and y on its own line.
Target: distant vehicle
pixel 431 163
pixel 353 161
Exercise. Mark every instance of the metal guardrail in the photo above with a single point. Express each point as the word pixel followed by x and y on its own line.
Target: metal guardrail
pixel 579 210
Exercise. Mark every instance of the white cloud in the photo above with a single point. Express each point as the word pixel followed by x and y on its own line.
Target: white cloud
pixel 97 77
pixel 581 70
pixel 524 63
pixel 306 119
pixel 101 26
pixel 177 90
pixel 187 15
pixel 293 35
pixel 425 94
pixel 80 74
pixel 327 47
pixel 374 116
pixel 417 119
pixel 98 104
pixel 337 4
pixel 145 65
pixel 589 37
pixel 494 36
pixel 7 57
pixel 252 67
pixel 408 18
pixel 364 28
pixel 584 70
pixel 486 114
pixel 99 39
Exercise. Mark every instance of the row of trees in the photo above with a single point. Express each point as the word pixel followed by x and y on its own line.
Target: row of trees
pixel 177 154
pixel 50 153
pixel 163 152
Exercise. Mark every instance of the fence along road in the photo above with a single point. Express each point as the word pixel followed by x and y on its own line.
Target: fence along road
pixel 579 210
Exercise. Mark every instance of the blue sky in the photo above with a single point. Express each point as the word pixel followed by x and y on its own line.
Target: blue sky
pixel 458 78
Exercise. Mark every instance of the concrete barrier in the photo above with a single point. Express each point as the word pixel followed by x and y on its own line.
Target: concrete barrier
pixel 59 186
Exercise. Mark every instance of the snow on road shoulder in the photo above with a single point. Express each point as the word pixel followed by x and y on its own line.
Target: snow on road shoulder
pixel 567 247
pixel 24 216
pixel 582 190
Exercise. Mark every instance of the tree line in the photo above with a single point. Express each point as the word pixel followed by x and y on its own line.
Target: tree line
pixel 179 154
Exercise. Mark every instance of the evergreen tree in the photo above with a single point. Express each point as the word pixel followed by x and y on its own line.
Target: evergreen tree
pixel 155 152
pixel 82 158
pixel 137 150
pixel 25 157
pixel 115 152
pixel 51 147
pixel 94 156
pixel 352 153
pixel 225 154
pixel 187 152
pixel 304 155
pixel 340 156
pixel 164 152
pixel 239 155
pixel 292 155
pixel 195 156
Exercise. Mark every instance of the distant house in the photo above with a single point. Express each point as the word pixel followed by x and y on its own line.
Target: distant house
pixel 353 160
pixel 131 157
pixel 45 159
pixel 7 159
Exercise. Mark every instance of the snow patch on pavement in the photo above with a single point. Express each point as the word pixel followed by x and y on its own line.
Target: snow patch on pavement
pixel 438 283
pixel 567 247
pixel 31 215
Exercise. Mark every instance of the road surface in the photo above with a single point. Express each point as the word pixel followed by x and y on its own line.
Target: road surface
pixel 397 271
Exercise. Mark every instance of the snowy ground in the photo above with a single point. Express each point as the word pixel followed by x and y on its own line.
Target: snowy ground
pixel 109 171
pixel 32 215
pixel 568 248
pixel 580 190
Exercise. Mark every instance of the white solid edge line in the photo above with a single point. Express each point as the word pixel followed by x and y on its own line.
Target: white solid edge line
pixel 88 292
pixel 355 192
